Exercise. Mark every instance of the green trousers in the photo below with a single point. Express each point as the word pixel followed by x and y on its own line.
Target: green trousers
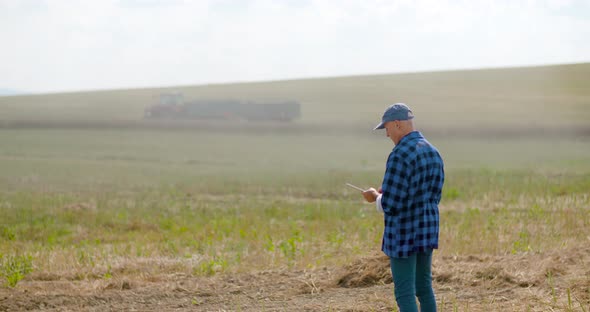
pixel 412 277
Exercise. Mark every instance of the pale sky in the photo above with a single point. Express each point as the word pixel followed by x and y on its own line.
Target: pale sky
pixel 60 45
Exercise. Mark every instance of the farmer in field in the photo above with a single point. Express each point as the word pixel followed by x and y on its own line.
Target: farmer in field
pixel 409 198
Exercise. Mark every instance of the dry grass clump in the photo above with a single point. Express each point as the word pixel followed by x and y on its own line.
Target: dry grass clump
pixel 367 271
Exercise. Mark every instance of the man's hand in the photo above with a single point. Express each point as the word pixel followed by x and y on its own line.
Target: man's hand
pixel 370 195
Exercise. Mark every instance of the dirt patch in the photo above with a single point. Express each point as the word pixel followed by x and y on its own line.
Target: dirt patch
pixel 497 277
pixel 509 282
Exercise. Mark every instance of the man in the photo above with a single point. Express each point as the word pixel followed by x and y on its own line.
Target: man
pixel 409 198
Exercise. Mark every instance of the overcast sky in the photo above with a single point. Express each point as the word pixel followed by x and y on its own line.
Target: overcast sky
pixel 59 45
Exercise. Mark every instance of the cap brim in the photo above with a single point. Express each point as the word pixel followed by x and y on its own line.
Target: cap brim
pixel 381 125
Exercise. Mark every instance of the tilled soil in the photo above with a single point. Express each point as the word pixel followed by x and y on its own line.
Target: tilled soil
pixel 521 282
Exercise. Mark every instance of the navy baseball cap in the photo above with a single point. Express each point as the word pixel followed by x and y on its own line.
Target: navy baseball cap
pixel 397 111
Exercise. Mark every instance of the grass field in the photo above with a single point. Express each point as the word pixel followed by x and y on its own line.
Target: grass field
pixel 258 217
pixel 552 96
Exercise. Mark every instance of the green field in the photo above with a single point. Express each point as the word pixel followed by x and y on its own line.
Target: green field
pixel 108 202
pixel 552 96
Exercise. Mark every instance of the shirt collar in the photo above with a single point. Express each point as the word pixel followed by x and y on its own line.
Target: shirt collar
pixel 410 136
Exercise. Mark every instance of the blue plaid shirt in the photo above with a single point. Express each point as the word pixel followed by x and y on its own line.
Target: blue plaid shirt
pixel 412 188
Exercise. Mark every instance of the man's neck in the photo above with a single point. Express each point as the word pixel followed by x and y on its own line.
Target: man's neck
pixel 403 135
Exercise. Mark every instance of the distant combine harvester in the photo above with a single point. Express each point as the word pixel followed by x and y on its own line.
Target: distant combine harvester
pixel 173 106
